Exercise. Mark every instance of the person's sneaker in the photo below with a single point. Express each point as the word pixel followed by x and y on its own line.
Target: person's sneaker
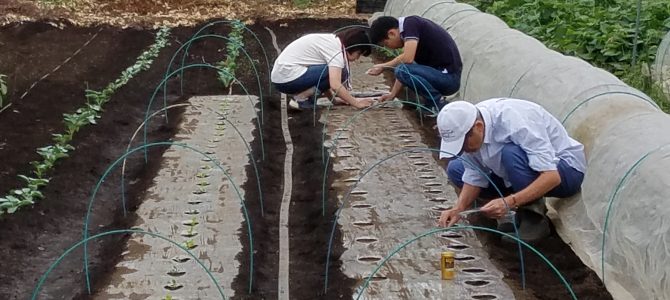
pixel 429 112
pixel 307 104
pixel 292 104
pixel 301 105
pixel 533 227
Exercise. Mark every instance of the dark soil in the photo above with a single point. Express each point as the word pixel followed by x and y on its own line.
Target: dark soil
pixel 541 281
pixel 309 230
pixel 32 239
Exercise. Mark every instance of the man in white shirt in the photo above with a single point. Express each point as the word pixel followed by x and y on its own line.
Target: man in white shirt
pixel 522 148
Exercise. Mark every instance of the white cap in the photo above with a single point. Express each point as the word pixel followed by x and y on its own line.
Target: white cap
pixel 454 121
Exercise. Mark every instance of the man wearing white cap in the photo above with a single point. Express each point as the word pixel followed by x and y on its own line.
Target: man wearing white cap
pixel 524 150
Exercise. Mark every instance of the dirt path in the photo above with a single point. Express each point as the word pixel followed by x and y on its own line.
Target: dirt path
pixel 153 13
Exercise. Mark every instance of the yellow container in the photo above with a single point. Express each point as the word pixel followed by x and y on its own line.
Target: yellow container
pixel 447 265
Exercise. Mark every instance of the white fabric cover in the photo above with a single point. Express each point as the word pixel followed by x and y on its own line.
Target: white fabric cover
pixel 624 133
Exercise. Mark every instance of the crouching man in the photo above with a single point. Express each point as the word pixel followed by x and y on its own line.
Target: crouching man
pixel 522 148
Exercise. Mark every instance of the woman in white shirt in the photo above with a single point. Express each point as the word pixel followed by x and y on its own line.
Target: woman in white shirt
pixel 300 67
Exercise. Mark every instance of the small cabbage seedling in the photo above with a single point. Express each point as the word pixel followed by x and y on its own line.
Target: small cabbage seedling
pixel 190 244
pixel 201 190
pixel 176 271
pixel 173 285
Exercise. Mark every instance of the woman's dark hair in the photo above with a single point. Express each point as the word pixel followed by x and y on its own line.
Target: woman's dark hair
pixel 356 37
pixel 380 28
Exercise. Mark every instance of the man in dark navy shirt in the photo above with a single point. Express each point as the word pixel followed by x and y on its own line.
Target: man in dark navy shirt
pixel 430 62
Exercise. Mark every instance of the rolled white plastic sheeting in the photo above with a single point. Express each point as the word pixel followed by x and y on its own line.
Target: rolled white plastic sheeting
pixel 623 202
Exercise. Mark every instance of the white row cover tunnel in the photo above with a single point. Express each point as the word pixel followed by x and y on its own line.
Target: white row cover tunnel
pixel 623 202
pixel 661 69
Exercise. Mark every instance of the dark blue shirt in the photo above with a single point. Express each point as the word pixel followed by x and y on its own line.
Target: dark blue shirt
pixel 436 48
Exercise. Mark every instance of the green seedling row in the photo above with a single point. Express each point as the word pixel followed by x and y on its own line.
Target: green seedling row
pixel 88 114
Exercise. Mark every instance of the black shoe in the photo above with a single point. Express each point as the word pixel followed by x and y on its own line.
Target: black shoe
pixel 533 227
pixel 301 105
pixel 508 227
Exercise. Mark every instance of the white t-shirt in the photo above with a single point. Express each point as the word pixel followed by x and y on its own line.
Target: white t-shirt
pixel 309 50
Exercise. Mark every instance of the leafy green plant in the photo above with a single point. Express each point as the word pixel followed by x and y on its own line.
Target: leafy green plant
pixel 600 32
pixel 302 3
pixel 235 43
pixel 190 244
pixel 388 53
pixel 201 190
pixel 11 203
pixel 3 90
pixel 73 123
pixel 638 77
pixel 34 183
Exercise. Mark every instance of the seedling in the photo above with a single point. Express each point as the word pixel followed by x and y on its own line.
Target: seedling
pixel 192 222
pixel 176 272
pixel 34 183
pixel 235 43
pixel 11 203
pixel 73 123
pixel 190 244
pixel 173 285
pixel 192 212
pixel 181 258
pixel 167 297
pixel 202 175
pixel 203 183
pixel 190 232
pixel 201 190
pixel 61 139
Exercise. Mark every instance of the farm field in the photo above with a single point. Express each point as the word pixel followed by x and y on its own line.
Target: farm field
pixel 216 171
